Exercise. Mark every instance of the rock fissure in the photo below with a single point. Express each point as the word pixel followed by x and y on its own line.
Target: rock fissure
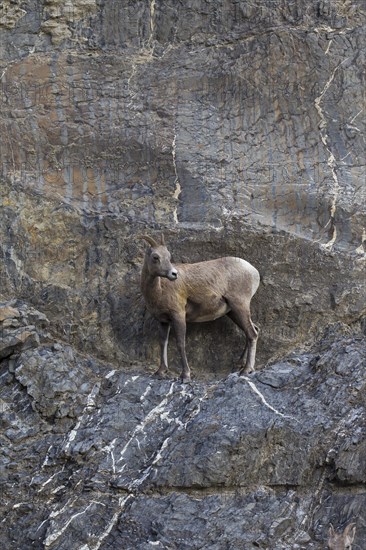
pixel 332 162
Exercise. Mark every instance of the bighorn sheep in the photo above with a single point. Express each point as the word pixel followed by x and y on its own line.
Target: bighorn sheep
pixel 341 541
pixel 198 292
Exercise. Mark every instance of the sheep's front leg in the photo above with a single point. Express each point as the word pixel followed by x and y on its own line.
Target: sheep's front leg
pixel 180 335
pixel 164 329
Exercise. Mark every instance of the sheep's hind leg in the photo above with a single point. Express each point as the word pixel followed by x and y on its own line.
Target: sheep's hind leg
pixel 241 317
pixel 164 329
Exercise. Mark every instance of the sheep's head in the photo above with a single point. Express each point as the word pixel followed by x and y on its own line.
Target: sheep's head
pixel 157 259
pixel 341 541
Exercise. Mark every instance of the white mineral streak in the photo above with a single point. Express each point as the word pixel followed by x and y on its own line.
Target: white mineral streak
pixel 54 536
pixel 314 501
pixel 158 412
pixel 152 22
pixel 328 48
pixel 110 374
pixel 121 504
pixel 18 504
pixel 263 399
pixel 59 488
pixel 70 503
pixel 133 73
pixel 45 462
pixel 50 479
pixel 89 405
pixel 110 449
pixel 164 415
pixel 132 379
pixel 178 188
pixel 196 411
pixel 154 413
pixel 145 394
pixel 331 161
pixel 354 118
pixel 159 454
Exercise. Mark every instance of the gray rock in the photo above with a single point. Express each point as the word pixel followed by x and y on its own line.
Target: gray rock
pixel 17 329
pixel 237 129
pixel 230 133
pixel 60 385
pixel 98 458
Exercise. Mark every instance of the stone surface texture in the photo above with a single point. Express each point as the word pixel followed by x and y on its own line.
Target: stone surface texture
pixel 236 128
pixel 97 457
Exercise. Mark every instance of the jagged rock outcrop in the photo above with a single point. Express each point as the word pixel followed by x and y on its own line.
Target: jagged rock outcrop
pixel 237 129
pixel 98 458
pixel 19 328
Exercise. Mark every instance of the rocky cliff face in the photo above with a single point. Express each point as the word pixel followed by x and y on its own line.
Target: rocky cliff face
pixel 97 457
pixel 237 129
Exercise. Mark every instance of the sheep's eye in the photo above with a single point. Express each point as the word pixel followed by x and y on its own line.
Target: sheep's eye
pixel 156 259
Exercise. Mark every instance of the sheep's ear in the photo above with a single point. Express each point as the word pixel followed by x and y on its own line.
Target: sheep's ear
pixel 149 240
pixel 331 531
pixel 162 240
pixel 350 531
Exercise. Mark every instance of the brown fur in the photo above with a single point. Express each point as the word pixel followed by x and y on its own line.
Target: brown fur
pixel 198 292
pixel 341 541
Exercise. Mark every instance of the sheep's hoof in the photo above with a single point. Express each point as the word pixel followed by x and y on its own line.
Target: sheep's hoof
pixel 161 373
pixel 185 379
pixel 245 371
